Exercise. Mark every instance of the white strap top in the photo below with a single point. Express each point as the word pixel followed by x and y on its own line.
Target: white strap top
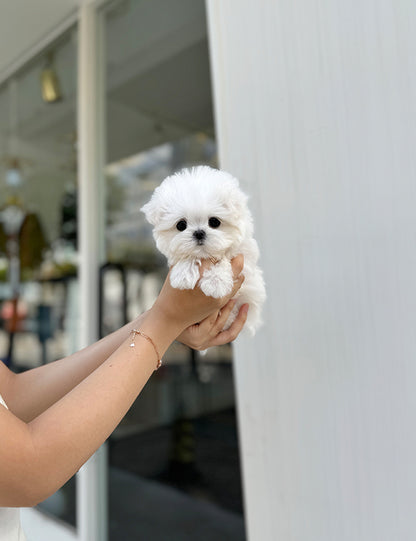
pixel 2 401
pixel 10 527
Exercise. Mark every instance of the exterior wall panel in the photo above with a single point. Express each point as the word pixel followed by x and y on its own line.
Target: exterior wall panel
pixel 315 112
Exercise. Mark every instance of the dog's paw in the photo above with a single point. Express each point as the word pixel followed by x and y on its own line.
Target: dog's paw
pixel 214 288
pixel 184 275
pixel 217 281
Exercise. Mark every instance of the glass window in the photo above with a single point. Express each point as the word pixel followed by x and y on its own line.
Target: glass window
pixel 178 446
pixel 38 229
pixel 174 461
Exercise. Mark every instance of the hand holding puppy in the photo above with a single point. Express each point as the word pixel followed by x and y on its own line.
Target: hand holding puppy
pixel 202 214
pixel 188 307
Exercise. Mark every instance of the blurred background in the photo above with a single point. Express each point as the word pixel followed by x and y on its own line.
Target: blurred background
pixel 181 433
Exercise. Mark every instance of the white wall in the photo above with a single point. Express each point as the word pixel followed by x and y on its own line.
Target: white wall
pixel 316 113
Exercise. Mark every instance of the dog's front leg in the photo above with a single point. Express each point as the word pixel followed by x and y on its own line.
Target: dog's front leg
pixel 217 281
pixel 185 274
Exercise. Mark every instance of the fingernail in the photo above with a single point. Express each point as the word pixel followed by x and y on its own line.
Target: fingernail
pixel 245 308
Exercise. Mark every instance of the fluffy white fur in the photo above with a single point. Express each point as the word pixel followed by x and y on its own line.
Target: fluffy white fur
pixel 201 213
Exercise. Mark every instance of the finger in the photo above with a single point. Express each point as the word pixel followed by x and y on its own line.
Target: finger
pixel 209 323
pixel 238 282
pixel 208 326
pixel 234 330
pixel 237 264
pixel 194 336
pixel 223 315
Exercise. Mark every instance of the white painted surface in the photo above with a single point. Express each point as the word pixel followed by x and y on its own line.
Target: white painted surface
pixel 92 490
pixel 40 527
pixel 316 113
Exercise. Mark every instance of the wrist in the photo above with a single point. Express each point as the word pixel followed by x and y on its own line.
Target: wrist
pixel 170 315
pixel 160 327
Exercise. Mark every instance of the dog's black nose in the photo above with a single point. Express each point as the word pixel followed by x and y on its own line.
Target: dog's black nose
pixel 199 235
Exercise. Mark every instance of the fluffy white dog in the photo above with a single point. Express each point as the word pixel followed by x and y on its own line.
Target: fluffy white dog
pixel 201 213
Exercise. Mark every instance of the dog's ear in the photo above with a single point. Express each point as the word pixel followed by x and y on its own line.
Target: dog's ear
pixel 237 204
pixel 152 210
pixel 237 201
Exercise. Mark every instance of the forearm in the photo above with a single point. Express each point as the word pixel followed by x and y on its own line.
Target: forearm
pixel 69 432
pixel 33 391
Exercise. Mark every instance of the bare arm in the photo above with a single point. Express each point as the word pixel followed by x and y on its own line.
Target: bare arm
pixel 32 392
pixel 36 458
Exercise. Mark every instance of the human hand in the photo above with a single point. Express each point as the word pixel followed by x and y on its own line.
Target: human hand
pixel 209 332
pixel 186 307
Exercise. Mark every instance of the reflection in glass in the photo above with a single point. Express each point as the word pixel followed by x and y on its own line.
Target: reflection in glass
pixel 38 261
pixel 177 448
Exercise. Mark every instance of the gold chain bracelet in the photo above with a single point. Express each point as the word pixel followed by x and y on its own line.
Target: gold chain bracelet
pixel 134 332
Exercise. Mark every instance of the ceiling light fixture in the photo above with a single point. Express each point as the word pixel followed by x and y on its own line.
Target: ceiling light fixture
pixel 51 91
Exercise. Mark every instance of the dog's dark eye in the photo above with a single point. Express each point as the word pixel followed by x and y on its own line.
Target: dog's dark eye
pixel 214 222
pixel 181 225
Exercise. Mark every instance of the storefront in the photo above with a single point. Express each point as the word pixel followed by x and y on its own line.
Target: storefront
pixel 89 127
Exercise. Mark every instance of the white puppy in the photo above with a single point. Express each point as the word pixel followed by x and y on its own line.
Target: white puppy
pixel 201 213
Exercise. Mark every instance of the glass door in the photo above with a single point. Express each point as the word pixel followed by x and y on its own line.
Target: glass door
pixel 38 219
pixel 174 461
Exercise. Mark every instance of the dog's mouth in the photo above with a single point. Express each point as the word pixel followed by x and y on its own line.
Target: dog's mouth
pixel 200 249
